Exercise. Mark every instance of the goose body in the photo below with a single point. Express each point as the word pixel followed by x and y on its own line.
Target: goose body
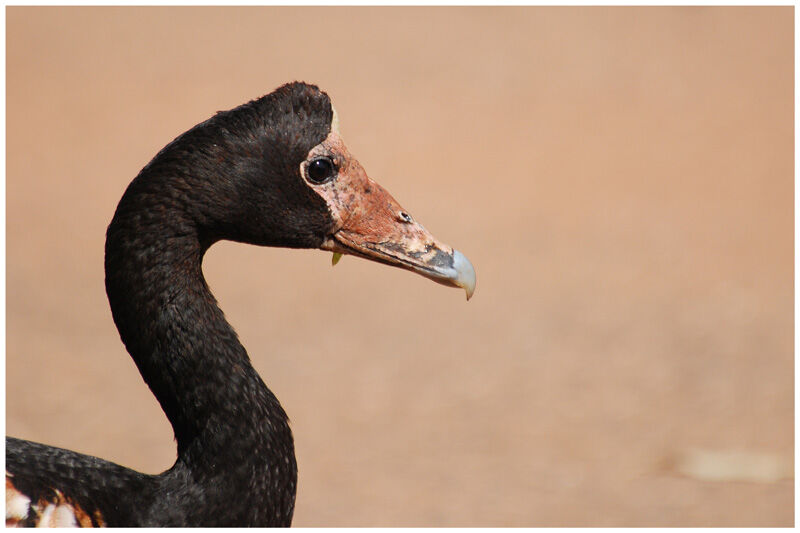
pixel 272 172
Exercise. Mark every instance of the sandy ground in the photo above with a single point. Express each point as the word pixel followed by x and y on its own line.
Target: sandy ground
pixel 622 179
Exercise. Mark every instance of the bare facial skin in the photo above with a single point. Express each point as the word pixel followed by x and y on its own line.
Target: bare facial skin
pixel 370 223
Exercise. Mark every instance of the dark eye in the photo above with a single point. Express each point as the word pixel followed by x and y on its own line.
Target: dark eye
pixel 320 170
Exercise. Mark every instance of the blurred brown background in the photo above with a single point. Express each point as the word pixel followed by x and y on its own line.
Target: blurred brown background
pixel 622 179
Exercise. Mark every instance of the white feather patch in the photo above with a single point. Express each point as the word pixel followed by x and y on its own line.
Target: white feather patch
pixel 64 516
pixel 335 121
pixel 46 516
pixel 17 505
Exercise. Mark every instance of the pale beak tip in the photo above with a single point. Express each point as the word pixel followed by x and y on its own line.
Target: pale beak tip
pixel 465 273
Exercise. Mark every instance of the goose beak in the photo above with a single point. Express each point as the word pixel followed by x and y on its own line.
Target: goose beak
pixel 375 227
pixel 369 223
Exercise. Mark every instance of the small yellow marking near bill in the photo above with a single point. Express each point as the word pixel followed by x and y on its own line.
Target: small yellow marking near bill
pixel 335 258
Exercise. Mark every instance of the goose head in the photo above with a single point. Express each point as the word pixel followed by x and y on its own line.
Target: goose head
pixel 282 176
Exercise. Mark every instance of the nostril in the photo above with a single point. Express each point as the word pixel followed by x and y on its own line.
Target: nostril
pixel 405 217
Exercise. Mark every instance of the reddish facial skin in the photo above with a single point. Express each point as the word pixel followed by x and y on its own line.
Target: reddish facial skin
pixel 370 223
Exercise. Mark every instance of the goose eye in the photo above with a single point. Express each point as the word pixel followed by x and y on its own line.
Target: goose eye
pixel 320 170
